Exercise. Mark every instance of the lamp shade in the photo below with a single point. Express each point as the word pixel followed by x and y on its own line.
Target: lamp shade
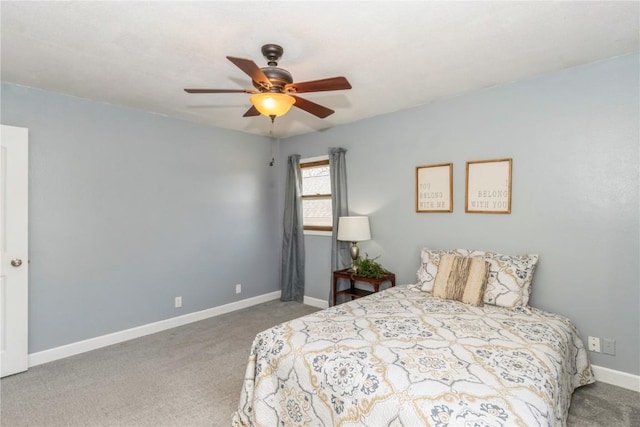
pixel 272 104
pixel 354 228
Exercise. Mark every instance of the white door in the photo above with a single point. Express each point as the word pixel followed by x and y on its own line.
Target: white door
pixel 14 268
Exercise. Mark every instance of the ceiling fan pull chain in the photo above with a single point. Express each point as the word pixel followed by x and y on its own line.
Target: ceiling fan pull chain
pixel 271 137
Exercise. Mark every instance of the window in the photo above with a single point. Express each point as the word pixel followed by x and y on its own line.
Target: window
pixel 316 194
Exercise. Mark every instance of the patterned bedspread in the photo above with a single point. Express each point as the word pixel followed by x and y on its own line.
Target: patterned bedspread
pixel 404 358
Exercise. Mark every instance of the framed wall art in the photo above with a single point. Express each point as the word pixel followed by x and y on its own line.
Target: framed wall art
pixel 488 186
pixel 434 188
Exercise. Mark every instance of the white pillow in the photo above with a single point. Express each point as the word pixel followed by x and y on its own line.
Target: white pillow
pixel 510 278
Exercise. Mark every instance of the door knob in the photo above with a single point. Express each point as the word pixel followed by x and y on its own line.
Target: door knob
pixel 16 262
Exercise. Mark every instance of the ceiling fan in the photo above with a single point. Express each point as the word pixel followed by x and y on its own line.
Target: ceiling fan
pixel 274 92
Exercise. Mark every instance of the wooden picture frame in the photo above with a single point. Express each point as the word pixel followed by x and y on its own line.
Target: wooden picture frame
pixel 488 188
pixel 434 188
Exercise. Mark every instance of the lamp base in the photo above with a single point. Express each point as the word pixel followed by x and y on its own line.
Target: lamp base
pixel 355 252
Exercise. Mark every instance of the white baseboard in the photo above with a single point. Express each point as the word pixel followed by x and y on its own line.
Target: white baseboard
pixel 117 337
pixel 315 302
pixel 617 378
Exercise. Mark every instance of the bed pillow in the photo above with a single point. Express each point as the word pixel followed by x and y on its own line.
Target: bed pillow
pixel 461 278
pixel 510 277
pixel 429 260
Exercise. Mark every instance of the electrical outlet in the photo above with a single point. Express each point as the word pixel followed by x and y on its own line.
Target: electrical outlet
pixel 238 288
pixel 594 344
pixel 178 302
pixel 609 346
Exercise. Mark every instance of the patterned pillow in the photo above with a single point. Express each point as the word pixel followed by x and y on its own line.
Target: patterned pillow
pixel 462 279
pixel 429 266
pixel 510 277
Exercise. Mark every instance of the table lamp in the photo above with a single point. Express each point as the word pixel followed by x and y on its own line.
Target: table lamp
pixel 354 229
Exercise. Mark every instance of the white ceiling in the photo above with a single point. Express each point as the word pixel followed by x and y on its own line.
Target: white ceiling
pixel 396 55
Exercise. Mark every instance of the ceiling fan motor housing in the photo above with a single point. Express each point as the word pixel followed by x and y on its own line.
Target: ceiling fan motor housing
pixel 278 78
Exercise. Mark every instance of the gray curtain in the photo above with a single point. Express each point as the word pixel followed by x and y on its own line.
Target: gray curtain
pixel 340 257
pixel 292 269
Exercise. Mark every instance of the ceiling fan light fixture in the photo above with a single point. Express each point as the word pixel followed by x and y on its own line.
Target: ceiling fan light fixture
pixel 272 104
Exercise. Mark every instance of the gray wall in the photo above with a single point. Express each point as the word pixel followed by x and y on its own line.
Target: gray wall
pixel 130 209
pixel 573 137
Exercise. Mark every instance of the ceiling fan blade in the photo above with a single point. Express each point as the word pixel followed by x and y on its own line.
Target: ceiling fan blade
pixel 332 83
pixel 253 111
pixel 219 91
pixel 313 108
pixel 252 70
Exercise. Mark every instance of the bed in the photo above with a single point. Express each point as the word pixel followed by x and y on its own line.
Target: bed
pixel 404 357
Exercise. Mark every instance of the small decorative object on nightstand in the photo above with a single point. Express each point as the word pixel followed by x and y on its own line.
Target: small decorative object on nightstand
pixel 354 292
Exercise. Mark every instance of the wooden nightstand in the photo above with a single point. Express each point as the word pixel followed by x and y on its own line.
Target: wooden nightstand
pixel 354 292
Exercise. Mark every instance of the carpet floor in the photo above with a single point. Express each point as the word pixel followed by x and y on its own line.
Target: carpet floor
pixel 192 375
